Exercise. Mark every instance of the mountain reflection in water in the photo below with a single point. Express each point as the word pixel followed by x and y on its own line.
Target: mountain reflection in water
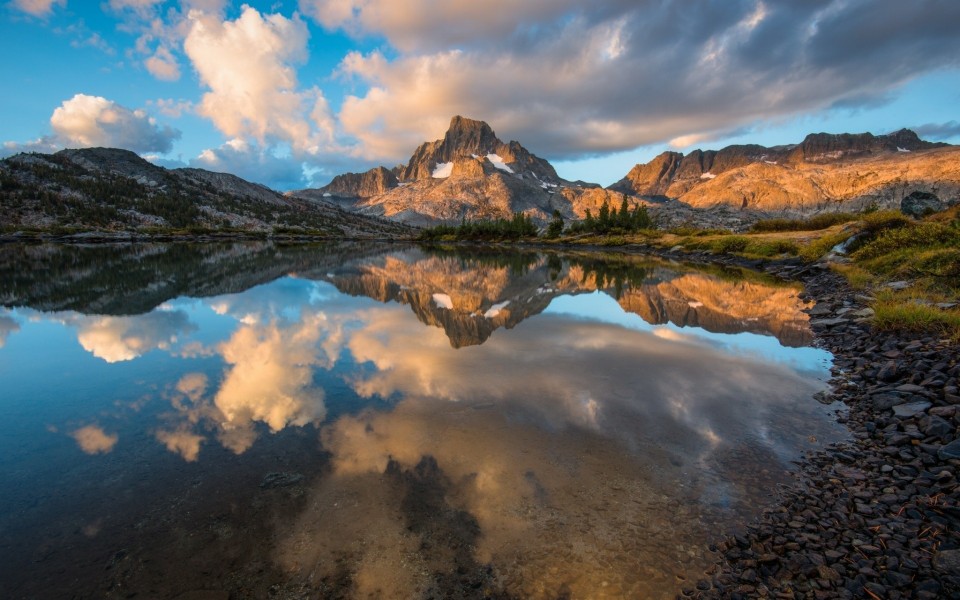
pixel 513 424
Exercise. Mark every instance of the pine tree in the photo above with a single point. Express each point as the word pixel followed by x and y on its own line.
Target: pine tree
pixel 603 220
pixel 555 229
pixel 623 215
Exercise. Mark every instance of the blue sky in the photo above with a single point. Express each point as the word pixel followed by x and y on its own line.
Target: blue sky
pixel 290 93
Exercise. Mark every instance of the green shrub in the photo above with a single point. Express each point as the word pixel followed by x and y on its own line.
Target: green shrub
pixel 907 235
pixel 732 243
pixel 897 314
pixel 772 247
pixel 814 223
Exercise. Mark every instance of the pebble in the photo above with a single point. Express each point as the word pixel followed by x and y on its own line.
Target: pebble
pixel 910 409
pixel 871 515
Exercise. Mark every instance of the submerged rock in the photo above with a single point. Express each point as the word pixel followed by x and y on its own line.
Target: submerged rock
pixel 280 479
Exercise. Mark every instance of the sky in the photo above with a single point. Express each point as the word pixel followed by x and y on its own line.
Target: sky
pixel 289 93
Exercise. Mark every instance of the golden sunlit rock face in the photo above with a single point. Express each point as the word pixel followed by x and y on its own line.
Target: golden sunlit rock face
pixel 799 183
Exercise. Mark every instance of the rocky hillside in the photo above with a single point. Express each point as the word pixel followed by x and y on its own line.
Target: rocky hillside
pixel 824 172
pixel 469 173
pixel 111 189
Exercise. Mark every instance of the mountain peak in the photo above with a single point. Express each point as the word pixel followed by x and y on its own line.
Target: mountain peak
pixel 469 134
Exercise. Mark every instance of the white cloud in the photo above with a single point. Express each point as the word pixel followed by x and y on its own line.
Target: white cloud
pixel 248 65
pixel 94 440
pixel 169 107
pixel 117 339
pixel 193 386
pixel 163 65
pixel 270 378
pixel 38 8
pixel 182 442
pixel 95 121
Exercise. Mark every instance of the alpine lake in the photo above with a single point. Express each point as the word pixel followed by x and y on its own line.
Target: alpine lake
pixel 363 420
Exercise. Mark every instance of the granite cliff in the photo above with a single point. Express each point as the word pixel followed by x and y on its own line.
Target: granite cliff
pixel 824 172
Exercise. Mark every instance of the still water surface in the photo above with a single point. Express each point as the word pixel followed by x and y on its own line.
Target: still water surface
pixel 361 421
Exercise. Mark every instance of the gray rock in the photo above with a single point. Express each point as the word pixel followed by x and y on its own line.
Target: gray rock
pixel 951 450
pixel 820 310
pixel 886 401
pixel 909 388
pixel 910 409
pixel 920 204
pixel 828 322
pixel 898 285
pixel 889 372
pixel 933 425
pixel 280 479
pixel 947 561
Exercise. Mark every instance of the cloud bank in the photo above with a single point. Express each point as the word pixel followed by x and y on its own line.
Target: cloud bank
pixel 574 81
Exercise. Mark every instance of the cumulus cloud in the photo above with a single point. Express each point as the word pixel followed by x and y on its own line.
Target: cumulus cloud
pixel 117 339
pixel 253 163
pixel 193 386
pixel 270 377
pixel 181 441
pixel 626 74
pixel 95 121
pixel 249 66
pixel 37 8
pixel 94 440
pixel 163 65
pixel 169 107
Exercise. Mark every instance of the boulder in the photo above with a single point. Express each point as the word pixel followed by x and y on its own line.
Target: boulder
pixel 920 204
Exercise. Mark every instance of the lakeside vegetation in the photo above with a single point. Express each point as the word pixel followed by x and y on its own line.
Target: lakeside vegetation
pixel 521 227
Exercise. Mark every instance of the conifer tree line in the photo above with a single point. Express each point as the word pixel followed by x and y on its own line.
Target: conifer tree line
pixel 608 221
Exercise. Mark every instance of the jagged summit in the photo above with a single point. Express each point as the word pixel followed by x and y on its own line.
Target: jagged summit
pixel 469 139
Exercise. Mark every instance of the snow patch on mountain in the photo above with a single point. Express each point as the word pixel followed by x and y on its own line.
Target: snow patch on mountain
pixel 494 310
pixel 498 163
pixel 443 301
pixel 442 170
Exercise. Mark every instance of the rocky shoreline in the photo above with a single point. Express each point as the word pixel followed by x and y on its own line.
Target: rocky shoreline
pixel 875 517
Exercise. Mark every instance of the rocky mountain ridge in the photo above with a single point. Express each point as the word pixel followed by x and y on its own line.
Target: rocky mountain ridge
pixel 472 296
pixel 824 172
pixel 109 188
pixel 469 173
